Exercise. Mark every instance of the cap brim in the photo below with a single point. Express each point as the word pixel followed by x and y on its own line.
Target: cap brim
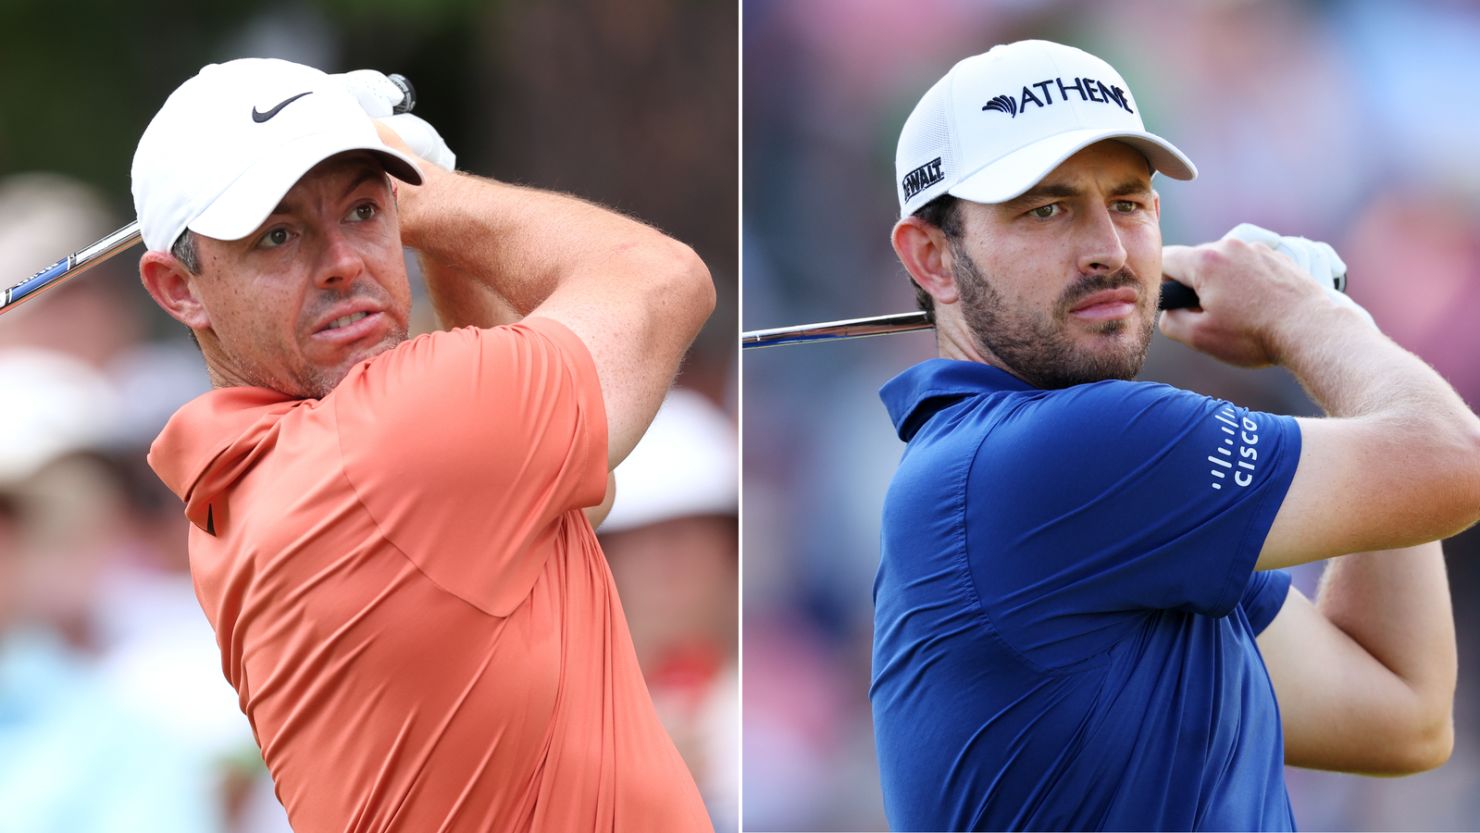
pixel 248 201
pixel 1011 175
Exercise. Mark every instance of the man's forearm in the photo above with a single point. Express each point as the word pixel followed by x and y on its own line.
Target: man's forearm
pixel 1414 418
pixel 492 252
pixel 1352 370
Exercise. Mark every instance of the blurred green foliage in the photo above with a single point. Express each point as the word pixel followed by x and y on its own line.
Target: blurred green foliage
pixel 85 76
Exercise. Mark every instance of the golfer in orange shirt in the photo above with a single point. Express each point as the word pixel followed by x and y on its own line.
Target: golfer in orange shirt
pixel 387 534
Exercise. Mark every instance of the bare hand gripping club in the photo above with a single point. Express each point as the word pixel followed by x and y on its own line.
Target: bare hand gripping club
pixel 84 259
pixel 1173 296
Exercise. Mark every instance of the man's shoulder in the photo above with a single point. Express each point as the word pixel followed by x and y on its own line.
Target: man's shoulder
pixel 1095 413
pixel 1048 446
pixel 1119 397
pixel 464 350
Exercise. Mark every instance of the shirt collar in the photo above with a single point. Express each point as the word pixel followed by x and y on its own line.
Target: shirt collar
pixel 918 393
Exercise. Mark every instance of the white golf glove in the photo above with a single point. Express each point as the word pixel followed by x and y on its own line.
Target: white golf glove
pixel 1316 259
pixel 423 139
pixel 379 95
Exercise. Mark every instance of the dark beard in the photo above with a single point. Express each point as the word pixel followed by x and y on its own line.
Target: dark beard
pixel 1035 347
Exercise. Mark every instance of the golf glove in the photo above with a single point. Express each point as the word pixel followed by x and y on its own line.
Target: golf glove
pixel 1316 259
pixel 379 95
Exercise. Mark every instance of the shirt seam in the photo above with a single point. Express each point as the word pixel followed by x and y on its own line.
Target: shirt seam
pixel 993 630
pixel 380 527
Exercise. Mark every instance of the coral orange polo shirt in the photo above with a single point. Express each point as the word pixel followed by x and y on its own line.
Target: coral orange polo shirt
pixel 409 601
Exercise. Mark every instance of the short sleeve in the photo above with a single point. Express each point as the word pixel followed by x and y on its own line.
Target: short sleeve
pixel 1264 597
pixel 1122 497
pixel 467 447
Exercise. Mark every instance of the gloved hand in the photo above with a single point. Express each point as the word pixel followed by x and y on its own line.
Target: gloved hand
pixel 1316 259
pixel 423 139
pixel 379 95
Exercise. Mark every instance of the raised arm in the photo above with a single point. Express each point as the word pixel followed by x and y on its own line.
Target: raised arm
pixel 1365 677
pixel 1397 460
pixel 493 253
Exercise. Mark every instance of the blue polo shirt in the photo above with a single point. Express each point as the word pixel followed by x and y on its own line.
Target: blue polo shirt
pixel 1066 606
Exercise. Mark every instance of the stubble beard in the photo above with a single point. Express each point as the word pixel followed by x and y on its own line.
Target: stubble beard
pixel 1037 347
pixel 318 382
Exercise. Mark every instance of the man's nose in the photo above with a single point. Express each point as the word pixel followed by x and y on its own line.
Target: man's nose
pixel 340 262
pixel 1100 246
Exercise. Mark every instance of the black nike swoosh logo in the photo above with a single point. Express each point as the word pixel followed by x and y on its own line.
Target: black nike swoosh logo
pixel 262 117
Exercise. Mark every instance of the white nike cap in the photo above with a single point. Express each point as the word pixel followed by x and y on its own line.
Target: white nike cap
pixel 229 143
pixel 999 122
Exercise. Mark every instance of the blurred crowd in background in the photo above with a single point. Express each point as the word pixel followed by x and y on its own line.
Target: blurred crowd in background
pixel 114 712
pixel 1350 122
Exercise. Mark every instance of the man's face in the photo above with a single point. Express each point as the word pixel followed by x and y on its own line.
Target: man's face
pixel 1061 284
pixel 318 287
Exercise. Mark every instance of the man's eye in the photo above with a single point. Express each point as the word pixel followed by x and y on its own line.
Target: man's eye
pixel 364 211
pixel 1126 206
pixel 1043 212
pixel 274 238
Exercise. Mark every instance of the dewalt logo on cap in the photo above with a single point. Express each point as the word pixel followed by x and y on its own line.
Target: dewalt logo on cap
pixel 922 177
pixel 1088 89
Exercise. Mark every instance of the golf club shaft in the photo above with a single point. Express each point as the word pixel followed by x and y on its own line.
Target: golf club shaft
pixel 1173 296
pixel 877 325
pixel 70 266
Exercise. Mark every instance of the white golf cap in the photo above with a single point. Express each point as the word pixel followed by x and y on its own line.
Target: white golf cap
pixel 229 143
pixel 999 122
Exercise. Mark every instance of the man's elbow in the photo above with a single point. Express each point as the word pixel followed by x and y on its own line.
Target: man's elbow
pixel 1474 468
pixel 688 289
pixel 1451 479
pixel 1426 748
pixel 699 283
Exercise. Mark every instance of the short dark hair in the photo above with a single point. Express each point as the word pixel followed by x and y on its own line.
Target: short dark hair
pixel 184 251
pixel 943 212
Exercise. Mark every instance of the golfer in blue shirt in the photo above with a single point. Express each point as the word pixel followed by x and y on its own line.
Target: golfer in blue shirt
pixel 1078 620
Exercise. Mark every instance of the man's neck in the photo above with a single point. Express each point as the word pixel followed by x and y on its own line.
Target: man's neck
pixel 953 340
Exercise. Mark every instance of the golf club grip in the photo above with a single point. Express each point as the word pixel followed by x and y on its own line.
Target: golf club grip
pixel 80 261
pixel 408 93
pixel 1176 296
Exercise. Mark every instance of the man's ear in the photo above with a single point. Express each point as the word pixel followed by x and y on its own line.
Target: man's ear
pixel 172 286
pixel 926 255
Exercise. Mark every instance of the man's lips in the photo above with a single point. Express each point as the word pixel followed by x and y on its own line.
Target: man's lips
pixel 349 322
pixel 1105 304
